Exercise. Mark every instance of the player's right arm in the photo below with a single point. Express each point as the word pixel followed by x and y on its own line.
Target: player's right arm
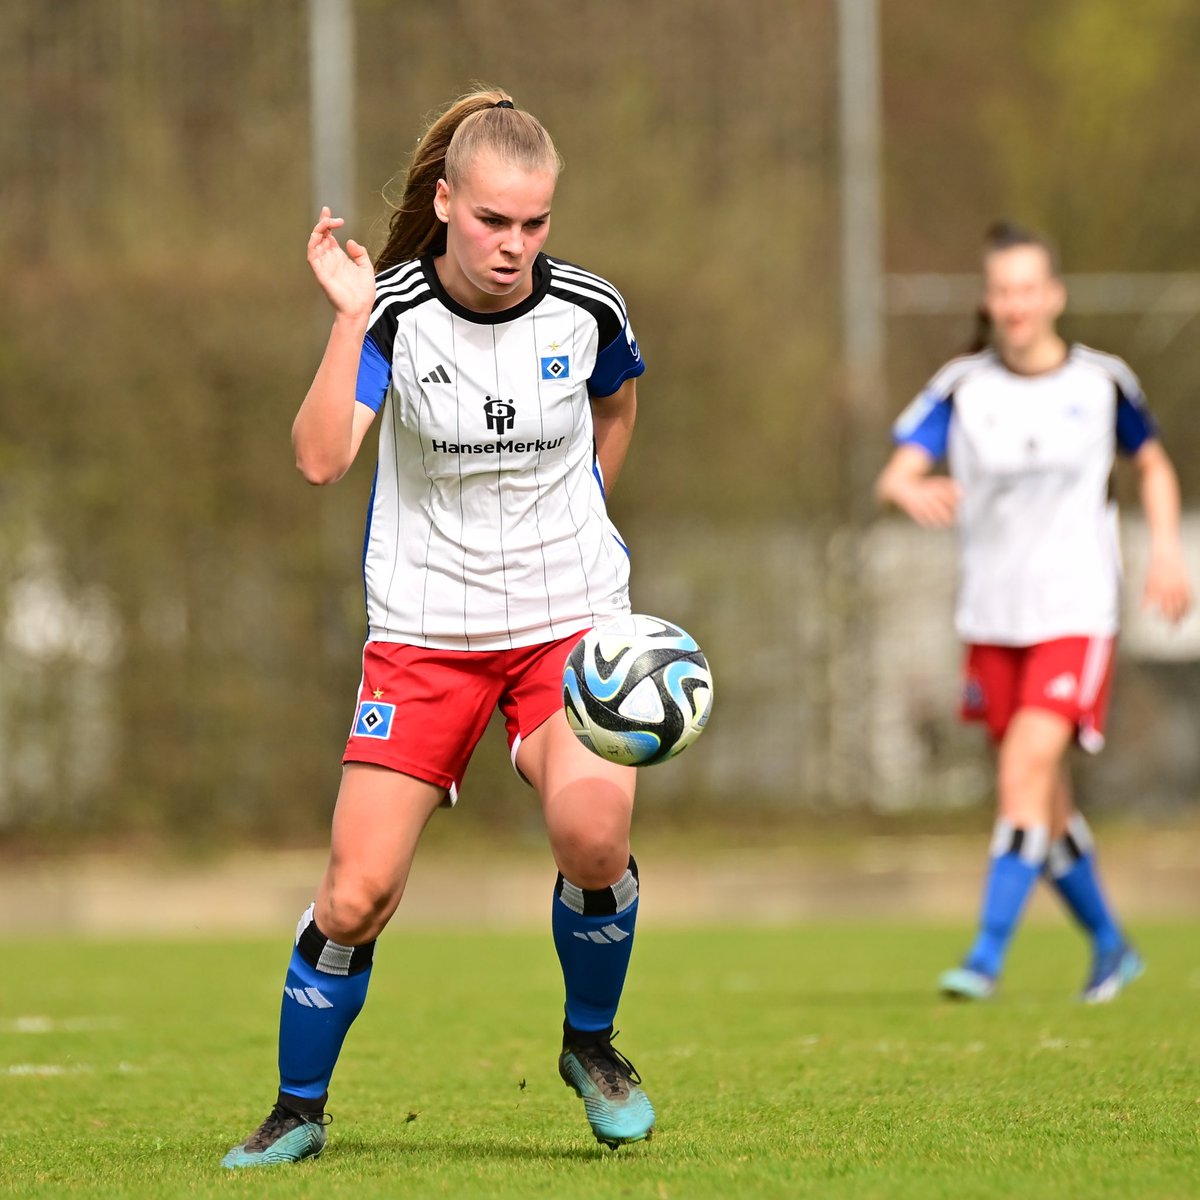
pixel 931 500
pixel 330 426
pixel 921 434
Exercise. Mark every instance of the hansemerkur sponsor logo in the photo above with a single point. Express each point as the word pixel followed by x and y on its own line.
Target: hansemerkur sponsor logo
pixel 500 416
pixel 502 447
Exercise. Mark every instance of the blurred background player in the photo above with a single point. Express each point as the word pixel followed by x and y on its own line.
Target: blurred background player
pixel 505 384
pixel 1030 426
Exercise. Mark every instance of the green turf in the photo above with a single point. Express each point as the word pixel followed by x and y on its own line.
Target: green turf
pixel 794 1062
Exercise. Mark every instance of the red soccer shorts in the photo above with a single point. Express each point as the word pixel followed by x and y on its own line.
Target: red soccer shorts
pixel 1071 676
pixel 423 711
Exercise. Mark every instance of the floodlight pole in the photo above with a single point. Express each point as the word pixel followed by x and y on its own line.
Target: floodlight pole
pixel 851 770
pixel 331 84
pixel 862 236
pixel 333 157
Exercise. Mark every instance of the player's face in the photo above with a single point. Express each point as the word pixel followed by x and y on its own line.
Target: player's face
pixel 1022 296
pixel 497 218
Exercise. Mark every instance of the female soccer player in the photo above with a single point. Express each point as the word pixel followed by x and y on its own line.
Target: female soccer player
pixel 1030 426
pixel 504 385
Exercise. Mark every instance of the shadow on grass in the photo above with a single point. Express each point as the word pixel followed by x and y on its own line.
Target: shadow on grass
pixel 459 1148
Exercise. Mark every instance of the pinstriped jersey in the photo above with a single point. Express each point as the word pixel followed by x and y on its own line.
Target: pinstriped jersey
pixel 487 527
pixel 1033 456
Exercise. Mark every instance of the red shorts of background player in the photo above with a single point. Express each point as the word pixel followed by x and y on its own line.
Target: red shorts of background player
pixel 423 711
pixel 1071 676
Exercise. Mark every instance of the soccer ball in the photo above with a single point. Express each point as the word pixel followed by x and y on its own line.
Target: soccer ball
pixel 637 690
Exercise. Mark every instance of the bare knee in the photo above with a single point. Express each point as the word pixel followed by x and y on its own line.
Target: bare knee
pixel 353 911
pixel 1016 775
pixel 1027 781
pixel 591 859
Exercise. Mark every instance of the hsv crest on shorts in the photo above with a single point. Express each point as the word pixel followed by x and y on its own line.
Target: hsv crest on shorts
pixel 374 720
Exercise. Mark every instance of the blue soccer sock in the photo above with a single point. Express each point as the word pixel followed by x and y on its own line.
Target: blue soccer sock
pixel 1017 857
pixel 1071 867
pixel 325 989
pixel 593 934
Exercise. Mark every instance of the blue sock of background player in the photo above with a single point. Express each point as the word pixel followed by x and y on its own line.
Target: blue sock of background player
pixel 1071 868
pixel 1017 859
pixel 325 989
pixel 593 934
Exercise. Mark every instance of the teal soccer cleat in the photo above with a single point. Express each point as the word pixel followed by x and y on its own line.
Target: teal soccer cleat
pixel 1112 972
pixel 608 1083
pixel 961 983
pixel 284 1137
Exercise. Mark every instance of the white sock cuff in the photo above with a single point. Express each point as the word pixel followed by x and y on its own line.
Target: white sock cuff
pixel 1030 845
pixel 1080 833
pixel 1066 851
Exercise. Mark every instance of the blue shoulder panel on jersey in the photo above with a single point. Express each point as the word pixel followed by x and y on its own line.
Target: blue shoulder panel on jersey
pixel 1135 425
pixel 925 423
pixel 618 361
pixel 374 375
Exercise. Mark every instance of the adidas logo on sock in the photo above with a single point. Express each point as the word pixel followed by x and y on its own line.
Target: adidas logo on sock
pixel 309 997
pixel 615 934
pixel 437 375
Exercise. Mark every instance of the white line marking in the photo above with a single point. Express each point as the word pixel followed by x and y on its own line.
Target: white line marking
pixel 34 1024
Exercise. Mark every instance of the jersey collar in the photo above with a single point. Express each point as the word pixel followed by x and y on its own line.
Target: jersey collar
pixel 541 285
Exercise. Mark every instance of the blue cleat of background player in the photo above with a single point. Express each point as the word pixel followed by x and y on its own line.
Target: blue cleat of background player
pixel 1112 972
pixel 961 983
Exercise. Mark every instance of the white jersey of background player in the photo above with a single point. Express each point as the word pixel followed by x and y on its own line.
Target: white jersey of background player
pixel 1030 428
pixel 1033 457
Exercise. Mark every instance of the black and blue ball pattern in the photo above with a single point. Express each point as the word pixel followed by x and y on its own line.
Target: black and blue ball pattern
pixel 637 690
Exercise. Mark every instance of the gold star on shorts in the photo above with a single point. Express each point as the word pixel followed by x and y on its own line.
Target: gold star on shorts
pixel 377 694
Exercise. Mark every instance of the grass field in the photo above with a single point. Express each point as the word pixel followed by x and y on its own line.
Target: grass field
pixel 783 1063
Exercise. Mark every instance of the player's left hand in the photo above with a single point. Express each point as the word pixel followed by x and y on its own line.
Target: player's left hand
pixel 1167 590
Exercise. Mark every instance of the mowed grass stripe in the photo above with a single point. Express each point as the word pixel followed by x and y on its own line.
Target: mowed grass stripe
pixel 785 1062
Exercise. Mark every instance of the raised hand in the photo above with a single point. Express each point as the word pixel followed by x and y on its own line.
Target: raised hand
pixel 346 276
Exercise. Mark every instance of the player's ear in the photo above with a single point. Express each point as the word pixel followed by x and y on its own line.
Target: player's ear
pixel 441 202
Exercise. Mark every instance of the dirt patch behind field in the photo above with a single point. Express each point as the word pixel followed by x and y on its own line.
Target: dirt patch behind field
pixel 876 878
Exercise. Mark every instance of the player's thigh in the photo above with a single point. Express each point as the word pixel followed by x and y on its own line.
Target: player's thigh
pixel 377 824
pixel 1071 676
pixel 990 677
pixel 587 802
pixel 422 711
pixel 1030 764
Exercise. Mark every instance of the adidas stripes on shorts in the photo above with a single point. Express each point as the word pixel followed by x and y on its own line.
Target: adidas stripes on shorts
pixel 1071 676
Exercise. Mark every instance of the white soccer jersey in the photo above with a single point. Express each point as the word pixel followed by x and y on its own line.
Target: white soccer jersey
pixel 487 527
pixel 1033 456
